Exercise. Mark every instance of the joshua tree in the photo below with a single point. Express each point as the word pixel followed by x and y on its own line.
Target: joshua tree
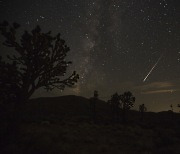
pixel 38 61
pixel 127 101
pixel 115 106
pixel 142 109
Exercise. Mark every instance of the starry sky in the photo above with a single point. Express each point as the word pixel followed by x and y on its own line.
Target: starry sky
pixel 116 45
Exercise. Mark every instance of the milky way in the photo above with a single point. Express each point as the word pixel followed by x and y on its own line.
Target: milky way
pixel 114 43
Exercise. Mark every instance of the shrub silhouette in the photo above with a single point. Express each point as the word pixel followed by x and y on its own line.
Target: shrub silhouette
pixel 93 101
pixel 172 111
pixel 178 106
pixel 127 101
pixel 142 109
pixel 171 106
pixel 39 61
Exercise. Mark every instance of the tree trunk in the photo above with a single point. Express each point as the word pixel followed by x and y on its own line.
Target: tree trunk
pixel 123 116
pixel 142 115
pixel 14 119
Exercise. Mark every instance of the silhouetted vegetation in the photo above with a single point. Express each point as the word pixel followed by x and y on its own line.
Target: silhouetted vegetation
pixel 178 106
pixel 38 61
pixel 142 109
pixel 93 101
pixel 115 106
pixel 121 103
pixel 172 111
pixel 171 106
pixel 127 100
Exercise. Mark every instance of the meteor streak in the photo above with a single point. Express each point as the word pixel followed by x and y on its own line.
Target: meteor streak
pixel 152 68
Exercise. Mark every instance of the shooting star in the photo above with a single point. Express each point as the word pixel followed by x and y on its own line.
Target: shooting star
pixel 152 68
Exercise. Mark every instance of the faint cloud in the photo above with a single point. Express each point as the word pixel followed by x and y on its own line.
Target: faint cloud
pixel 157 88
pixel 155 85
pixel 159 91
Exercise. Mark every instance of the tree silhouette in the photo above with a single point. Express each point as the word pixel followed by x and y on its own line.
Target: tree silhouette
pixel 115 106
pixel 142 109
pixel 171 106
pixel 127 101
pixel 172 111
pixel 39 61
pixel 93 101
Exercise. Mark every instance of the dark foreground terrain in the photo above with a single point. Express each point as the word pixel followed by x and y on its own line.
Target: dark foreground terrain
pixel 65 125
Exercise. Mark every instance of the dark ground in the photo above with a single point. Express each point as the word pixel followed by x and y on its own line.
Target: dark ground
pixel 65 125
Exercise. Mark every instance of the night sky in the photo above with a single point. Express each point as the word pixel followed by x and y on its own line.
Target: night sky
pixel 116 45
